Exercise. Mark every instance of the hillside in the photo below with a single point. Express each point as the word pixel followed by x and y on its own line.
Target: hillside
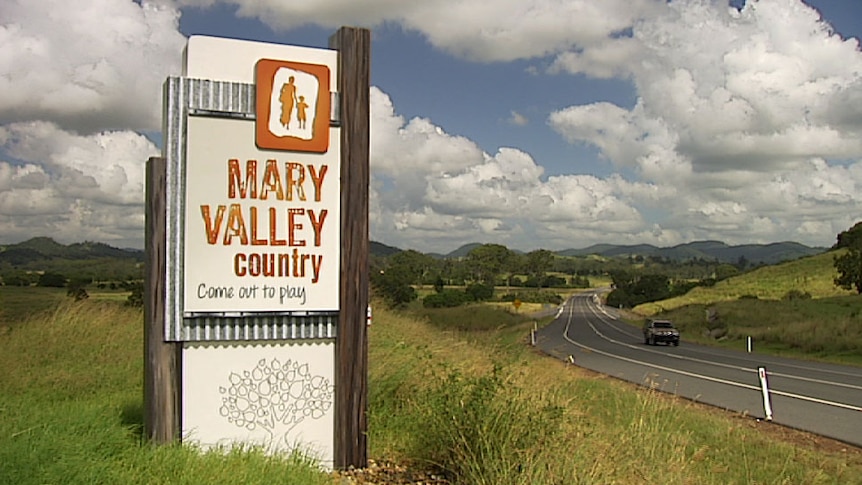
pixel 813 275
pixel 20 262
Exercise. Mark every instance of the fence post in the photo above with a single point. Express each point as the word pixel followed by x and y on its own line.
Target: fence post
pixel 161 358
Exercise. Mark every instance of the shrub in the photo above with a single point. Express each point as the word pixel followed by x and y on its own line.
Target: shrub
pixel 480 291
pixel 53 280
pixel 77 292
pixel 136 297
pixel 446 298
pixel 545 281
pixel 533 297
pixel 580 282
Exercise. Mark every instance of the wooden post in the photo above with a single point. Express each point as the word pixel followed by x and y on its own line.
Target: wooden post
pixel 351 345
pixel 161 358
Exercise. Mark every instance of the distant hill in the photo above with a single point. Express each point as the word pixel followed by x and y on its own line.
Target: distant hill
pixel 706 250
pixel 463 250
pixel 45 249
pixel 380 249
pixel 756 254
pixel 41 249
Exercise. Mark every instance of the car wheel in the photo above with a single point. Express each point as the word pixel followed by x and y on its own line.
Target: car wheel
pixel 676 344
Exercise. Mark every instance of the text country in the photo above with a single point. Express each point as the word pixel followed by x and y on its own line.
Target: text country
pixel 294 264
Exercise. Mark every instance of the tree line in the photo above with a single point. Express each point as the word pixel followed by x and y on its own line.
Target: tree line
pixel 522 275
pixel 635 279
pixel 479 275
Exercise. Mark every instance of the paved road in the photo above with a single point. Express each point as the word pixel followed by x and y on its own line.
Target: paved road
pixel 821 398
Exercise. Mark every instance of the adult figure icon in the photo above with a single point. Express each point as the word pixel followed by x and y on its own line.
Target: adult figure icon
pixel 287 98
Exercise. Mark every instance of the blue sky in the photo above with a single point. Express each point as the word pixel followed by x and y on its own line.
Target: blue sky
pixel 529 123
pixel 467 98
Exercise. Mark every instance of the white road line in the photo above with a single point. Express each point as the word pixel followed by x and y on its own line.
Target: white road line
pixel 717 364
pixel 692 374
pixel 601 308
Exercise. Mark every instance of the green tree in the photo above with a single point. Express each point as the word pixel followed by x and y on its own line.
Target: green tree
pixel 849 264
pixel 538 263
pixel 438 284
pixel 414 264
pixel 488 261
pixel 393 285
pixel 631 290
pixel 652 287
pixel 851 238
pixel 849 267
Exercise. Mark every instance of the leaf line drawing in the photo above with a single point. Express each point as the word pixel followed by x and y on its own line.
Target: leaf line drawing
pixel 275 397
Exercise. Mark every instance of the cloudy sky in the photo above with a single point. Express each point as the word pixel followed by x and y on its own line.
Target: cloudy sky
pixel 534 124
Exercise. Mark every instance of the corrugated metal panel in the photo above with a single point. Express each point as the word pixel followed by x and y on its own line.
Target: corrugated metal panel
pixel 219 98
pixel 259 327
pixel 200 97
pixel 176 102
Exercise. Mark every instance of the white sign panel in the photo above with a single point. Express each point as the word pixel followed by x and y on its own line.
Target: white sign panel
pixel 263 196
pixel 277 395
pixel 261 227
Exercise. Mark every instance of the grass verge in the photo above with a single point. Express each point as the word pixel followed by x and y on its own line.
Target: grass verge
pixel 71 409
pixel 825 329
pixel 498 412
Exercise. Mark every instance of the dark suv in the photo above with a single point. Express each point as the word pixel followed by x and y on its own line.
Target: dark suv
pixel 660 331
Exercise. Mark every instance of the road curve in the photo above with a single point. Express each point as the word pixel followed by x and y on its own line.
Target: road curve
pixel 825 399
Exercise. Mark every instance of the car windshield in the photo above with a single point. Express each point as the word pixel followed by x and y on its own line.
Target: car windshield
pixel 663 325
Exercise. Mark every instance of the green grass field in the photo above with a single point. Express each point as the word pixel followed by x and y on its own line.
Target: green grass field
pixel 18 303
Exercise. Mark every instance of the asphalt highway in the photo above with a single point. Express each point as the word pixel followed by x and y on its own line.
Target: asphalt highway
pixel 825 399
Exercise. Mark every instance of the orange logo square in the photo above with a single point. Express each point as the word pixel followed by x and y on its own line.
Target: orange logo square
pixel 292 106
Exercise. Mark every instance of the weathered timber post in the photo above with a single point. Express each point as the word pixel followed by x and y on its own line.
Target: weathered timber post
pixel 351 346
pixel 161 367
